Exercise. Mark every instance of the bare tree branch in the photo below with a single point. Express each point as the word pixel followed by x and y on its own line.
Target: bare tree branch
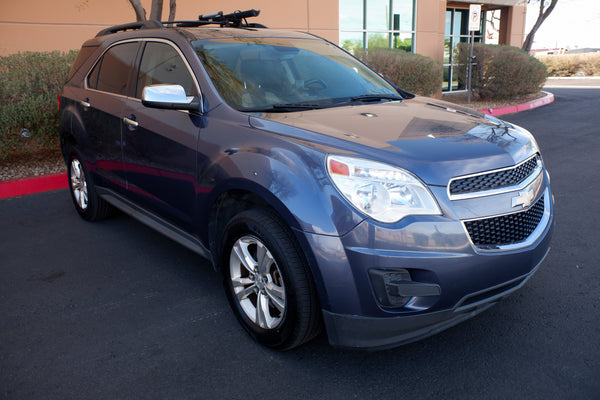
pixel 156 10
pixel 541 18
pixel 172 7
pixel 140 13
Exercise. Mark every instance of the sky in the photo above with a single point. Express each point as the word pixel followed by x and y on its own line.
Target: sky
pixel 572 24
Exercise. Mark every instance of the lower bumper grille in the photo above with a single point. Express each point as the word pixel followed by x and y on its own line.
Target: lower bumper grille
pixel 506 229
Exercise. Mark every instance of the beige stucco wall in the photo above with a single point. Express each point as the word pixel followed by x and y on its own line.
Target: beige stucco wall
pixel 430 25
pixel 39 25
pixel 515 25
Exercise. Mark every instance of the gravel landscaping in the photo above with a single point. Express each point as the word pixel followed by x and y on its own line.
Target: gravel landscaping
pixel 25 166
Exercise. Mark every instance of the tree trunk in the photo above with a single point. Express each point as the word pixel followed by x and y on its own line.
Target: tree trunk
pixel 140 13
pixel 156 11
pixel 541 18
pixel 172 7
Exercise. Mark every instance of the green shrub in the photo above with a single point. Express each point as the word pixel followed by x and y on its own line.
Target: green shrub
pixel 502 72
pixel 412 72
pixel 29 86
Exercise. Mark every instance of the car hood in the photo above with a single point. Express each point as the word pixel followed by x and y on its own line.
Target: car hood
pixel 431 138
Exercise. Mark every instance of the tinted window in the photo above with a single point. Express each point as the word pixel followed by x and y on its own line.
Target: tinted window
pixel 112 72
pixel 162 64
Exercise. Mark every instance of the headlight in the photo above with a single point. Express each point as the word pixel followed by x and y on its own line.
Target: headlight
pixel 383 192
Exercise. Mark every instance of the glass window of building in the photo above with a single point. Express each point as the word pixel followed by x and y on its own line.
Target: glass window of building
pixel 377 23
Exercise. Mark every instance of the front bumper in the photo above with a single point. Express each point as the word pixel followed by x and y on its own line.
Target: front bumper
pixel 437 253
pixel 381 333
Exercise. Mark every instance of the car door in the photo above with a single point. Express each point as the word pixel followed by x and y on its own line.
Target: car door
pixel 106 88
pixel 159 146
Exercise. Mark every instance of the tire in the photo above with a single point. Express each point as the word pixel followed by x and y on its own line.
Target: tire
pixel 88 204
pixel 268 282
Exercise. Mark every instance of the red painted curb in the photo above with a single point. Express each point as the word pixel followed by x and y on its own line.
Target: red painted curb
pixel 37 184
pixel 547 99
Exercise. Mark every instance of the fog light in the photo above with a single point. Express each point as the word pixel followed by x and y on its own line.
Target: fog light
pixel 395 288
pixel 383 285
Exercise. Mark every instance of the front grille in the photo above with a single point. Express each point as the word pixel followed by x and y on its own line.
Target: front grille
pixel 494 180
pixel 507 229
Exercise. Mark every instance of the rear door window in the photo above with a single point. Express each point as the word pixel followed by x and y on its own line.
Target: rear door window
pixel 112 72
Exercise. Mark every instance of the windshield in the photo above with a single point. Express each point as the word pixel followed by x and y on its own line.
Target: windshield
pixel 285 74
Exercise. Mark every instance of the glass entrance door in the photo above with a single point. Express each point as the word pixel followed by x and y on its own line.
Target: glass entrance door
pixel 457 31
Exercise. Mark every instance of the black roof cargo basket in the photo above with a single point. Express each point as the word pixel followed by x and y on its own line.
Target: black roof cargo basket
pixel 235 19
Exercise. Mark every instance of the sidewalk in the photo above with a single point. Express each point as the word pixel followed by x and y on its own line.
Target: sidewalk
pixel 574 82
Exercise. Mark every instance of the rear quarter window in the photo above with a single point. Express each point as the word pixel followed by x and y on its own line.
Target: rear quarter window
pixel 83 55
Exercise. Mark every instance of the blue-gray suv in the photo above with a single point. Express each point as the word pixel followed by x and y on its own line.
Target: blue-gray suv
pixel 326 196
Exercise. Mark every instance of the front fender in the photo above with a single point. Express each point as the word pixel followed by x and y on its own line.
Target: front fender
pixel 293 182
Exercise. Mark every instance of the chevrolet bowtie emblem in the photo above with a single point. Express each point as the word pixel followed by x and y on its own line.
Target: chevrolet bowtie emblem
pixel 524 198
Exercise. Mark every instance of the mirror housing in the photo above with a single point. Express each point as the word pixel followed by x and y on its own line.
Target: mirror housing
pixel 170 97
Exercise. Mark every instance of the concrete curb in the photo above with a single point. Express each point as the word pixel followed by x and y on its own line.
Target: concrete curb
pixel 37 184
pixel 547 99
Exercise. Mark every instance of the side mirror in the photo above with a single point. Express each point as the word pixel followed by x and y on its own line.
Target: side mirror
pixel 170 97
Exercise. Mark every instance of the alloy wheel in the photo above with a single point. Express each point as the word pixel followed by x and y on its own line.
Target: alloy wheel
pixel 257 282
pixel 78 184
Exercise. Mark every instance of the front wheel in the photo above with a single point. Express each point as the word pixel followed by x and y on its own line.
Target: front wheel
pixel 268 282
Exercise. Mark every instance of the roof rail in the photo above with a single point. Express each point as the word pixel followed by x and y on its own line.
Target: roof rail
pixel 148 24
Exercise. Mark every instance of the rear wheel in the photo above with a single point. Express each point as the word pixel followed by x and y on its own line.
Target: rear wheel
pixel 268 282
pixel 88 204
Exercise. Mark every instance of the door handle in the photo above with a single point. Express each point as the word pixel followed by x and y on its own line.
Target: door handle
pixel 131 122
pixel 85 103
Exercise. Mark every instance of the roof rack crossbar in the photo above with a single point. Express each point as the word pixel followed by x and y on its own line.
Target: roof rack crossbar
pixel 148 24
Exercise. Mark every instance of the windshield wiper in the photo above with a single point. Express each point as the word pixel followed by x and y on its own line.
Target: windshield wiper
pixel 283 107
pixel 374 97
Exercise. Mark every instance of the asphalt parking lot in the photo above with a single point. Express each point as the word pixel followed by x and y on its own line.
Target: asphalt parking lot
pixel 113 310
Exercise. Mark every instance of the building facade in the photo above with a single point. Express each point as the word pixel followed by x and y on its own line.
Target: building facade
pixel 429 27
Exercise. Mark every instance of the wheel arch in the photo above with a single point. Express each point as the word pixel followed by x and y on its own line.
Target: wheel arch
pixel 234 201
pixel 72 132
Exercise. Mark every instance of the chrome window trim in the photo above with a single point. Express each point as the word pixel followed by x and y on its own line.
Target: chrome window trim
pixel 537 232
pixel 533 176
